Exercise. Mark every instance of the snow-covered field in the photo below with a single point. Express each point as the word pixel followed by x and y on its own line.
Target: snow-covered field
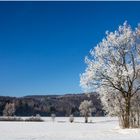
pixel 101 128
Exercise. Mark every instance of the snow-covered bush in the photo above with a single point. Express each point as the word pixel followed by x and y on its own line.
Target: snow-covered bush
pixel 34 119
pixel 9 109
pixel 38 116
pixel 7 118
pixel 86 109
pixel 113 70
pixel 71 118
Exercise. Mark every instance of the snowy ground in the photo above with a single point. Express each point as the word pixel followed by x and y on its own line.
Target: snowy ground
pixel 102 128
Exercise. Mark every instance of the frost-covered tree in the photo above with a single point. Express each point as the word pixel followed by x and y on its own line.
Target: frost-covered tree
pixel 135 111
pixel 113 70
pixel 53 117
pixel 86 109
pixel 71 119
pixel 9 109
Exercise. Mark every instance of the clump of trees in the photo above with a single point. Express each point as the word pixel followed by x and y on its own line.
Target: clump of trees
pixel 86 109
pixel 113 70
pixel 9 109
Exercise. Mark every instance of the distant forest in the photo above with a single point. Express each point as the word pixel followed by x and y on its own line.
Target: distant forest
pixel 45 105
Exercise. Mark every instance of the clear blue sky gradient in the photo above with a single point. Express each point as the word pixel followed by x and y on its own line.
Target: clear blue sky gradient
pixel 43 44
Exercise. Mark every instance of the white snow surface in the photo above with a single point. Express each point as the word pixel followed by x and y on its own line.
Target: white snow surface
pixel 101 128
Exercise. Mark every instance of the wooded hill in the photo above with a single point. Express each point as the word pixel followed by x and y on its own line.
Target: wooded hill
pixel 45 105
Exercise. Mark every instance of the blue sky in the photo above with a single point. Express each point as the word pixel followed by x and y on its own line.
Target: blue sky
pixel 43 44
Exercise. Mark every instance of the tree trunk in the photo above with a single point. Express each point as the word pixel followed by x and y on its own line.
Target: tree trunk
pixel 86 119
pixel 138 116
pixel 127 113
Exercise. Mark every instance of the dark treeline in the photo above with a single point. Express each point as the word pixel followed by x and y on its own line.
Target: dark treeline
pixel 45 105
